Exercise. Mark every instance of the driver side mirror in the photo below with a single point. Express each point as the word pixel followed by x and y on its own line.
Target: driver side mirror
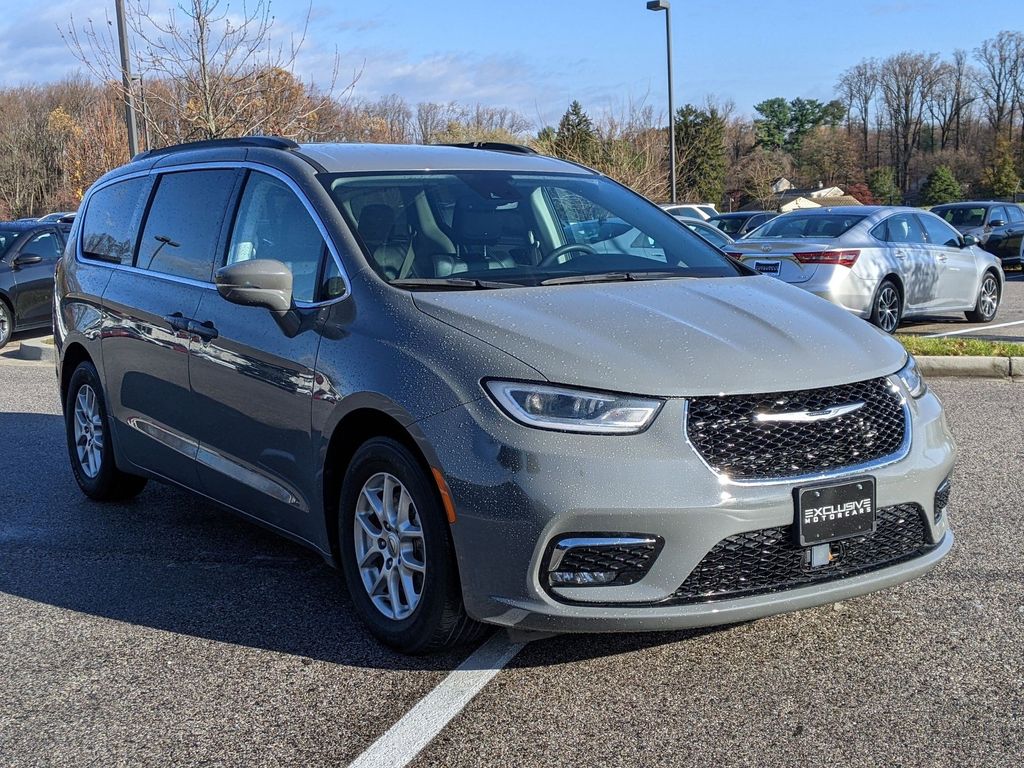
pixel 25 259
pixel 256 283
pixel 997 223
pixel 968 240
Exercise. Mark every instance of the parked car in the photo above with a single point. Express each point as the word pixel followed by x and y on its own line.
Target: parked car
pixel 62 217
pixel 713 235
pixel 29 252
pixel 882 263
pixel 738 224
pixel 495 411
pixel 998 227
pixel 690 211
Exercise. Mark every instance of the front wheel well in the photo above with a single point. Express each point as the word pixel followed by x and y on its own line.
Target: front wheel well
pixel 73 357
pixel 351 432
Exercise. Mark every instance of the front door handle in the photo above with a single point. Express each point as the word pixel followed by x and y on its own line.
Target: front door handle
pixel 900 254
pixel 942 257
pixel 177 321
pixel 205 331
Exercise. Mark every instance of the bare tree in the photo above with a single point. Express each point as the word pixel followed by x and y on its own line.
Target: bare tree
pixel 906 81
pixel 759 170
pixel 999 79
pixel 858 87
pixel 213 73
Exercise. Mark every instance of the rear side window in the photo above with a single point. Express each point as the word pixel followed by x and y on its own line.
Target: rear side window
pixel 902 228
pixel 112 220
pixel 184 223
pixel 272 223
pixel 939 232
pixel 1015 213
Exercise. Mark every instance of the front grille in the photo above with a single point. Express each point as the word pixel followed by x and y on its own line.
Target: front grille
pixel 725 432
pixel 770 560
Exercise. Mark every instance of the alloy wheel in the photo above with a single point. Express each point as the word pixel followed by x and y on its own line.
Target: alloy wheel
pixel 390 550
pixel 988 301
pixel 88 431
pixel 888 309
pixel 5 324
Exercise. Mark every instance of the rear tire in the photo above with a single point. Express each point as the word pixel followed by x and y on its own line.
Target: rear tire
pixel 89 440
pixel 6 323
pixel 397 554
pixel 989 296
pixel 887 309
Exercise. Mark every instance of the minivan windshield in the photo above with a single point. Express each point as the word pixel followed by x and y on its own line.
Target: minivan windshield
pixel 823 225
pixel 491 229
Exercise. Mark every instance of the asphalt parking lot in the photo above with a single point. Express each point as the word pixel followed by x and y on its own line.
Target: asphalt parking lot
pixel 167 632
pixel 1008 324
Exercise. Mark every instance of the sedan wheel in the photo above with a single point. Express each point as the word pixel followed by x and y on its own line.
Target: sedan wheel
pixel 6 324
pixel 988 300
pixel 888 307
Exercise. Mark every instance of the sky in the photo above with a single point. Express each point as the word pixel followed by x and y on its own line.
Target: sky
pixel 538 55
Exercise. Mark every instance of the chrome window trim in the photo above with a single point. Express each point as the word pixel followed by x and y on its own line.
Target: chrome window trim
pixel 216 165
pixel 901 453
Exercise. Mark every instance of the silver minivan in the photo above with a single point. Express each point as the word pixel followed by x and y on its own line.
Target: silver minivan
pixel 491 387
pixel 881 263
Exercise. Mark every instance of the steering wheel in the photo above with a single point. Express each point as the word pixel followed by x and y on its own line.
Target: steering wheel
pixel 552 258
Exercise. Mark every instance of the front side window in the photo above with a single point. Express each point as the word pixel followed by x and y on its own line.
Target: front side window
pixel 996 214
pixel 272 223
pixel 801 225
pixel 45 244
pixel 515 229
pixel 112 220
pixel 7 239
pixel 939 232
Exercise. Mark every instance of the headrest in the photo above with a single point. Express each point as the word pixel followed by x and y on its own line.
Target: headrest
pixel 375 222
pixel 479 222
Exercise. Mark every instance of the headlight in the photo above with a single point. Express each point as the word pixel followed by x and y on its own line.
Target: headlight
pixel 911 378
pixel 573 410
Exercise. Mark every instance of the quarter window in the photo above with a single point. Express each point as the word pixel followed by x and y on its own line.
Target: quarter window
pixel 184 223
pixel 112 220
pixel 272 223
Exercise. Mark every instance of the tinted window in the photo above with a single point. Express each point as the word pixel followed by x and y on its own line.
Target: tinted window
pixel 1015 213
pixel 7 238
pixel 902 228
pixel 184 222
pixel 272 223
pixel 46 245
pixel 998 213
pixel 112 220
pixel 962 216
pixel 731 225
pixel 807 225
pixel 939 232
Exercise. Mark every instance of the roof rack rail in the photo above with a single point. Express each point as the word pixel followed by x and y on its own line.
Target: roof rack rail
pixel 496 146
pixel 270 142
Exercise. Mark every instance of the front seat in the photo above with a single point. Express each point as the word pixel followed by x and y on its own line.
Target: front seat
pixel 477 225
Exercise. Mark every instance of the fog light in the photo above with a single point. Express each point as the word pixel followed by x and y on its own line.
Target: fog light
pixel 942 500
pixel 594 560
pixel 581 578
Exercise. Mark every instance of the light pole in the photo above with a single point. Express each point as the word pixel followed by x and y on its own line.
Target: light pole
pixel 663 5
pixel 126 81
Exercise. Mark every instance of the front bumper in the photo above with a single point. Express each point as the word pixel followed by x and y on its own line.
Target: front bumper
pixel 516 488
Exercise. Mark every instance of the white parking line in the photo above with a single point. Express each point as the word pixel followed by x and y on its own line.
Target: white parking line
pixel 972 330
pixel 407 738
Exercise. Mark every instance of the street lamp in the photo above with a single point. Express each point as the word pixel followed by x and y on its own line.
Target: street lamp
pixel 663 5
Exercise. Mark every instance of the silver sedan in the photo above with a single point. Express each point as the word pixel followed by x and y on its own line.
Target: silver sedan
pixel 879 262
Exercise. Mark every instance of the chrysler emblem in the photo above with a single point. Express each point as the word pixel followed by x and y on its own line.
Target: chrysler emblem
pixel 810 416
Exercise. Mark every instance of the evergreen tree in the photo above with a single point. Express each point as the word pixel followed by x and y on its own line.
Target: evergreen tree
pixel 882 184
pixel 700 153
pixel 1001 177
pixel 941 187
pixel 575 138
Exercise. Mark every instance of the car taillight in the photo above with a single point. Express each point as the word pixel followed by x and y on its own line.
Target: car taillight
pixel 842 258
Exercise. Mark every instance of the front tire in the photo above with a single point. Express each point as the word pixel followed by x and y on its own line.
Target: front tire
pixel 989 295
pixel 397 554
pixel 6 323
pixel 887 308
pixel 89 440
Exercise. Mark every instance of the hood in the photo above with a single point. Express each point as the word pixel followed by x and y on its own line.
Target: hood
pixel 672 338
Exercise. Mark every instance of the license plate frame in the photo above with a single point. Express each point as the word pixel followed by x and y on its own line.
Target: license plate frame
pixel 833 511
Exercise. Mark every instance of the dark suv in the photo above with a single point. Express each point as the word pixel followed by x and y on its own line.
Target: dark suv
pixel 998 227
pixel 29 252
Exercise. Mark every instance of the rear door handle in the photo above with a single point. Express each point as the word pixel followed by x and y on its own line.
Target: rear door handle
pixel 205 331
pixel 177 321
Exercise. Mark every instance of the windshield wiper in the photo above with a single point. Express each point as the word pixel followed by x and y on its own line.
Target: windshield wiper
pixel 610 277
pixel 451 283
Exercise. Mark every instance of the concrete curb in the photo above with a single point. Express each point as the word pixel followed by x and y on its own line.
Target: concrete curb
pixel 37 350
pixel 971 367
